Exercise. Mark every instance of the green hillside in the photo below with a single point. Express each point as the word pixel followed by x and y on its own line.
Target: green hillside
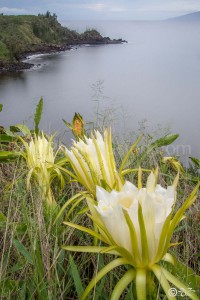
pixel 27 33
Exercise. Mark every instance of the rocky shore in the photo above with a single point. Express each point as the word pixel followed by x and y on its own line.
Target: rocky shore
pixel 6 67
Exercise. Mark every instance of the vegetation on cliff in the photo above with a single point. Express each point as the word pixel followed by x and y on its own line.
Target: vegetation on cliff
pixel 42 33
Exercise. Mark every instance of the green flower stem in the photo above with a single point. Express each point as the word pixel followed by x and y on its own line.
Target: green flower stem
pixel 141 284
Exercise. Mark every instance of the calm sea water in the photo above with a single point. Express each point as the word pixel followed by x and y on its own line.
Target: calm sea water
pixel 154 77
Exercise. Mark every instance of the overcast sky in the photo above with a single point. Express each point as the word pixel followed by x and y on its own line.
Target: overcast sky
pixel 102 9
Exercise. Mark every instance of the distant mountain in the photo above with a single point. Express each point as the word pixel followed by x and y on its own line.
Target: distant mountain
pixel 193 17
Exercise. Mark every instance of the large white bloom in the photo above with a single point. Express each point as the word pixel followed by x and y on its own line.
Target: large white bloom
pixel 93 161
pixel 156 203
pixel 136 224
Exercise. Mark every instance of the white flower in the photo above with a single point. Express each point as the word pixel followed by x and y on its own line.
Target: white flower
pixel 93 161
pixel 136 224
pixel 156 204
pixel 40 152
pixel 40 159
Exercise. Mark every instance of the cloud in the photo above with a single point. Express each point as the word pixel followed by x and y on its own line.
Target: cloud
pixel 118 9
pixel 100 7
pixel 96 6
pixel 12 10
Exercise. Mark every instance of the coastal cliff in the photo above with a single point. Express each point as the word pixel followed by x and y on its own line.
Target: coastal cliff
pixel 25 35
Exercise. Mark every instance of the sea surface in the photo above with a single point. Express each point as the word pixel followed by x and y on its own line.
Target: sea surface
pixel 153 82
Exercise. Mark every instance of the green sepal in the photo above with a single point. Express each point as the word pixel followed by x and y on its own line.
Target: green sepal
pixel 169 258
pixel 71 200
pixel 109 267
pixel 144 241
pixel 179 214
pixel 91 249
pixel 162 241
pixel 158 271
pixel 128 277
pixel 134 239
pixel 85 229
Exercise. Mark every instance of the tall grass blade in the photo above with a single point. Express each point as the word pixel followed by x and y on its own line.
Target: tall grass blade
pixel 22 249
pixel 76 277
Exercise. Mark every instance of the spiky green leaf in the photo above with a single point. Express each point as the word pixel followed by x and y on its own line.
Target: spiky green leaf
pixel 38 115
pixel 7 156
pixel 20 128
pixel 165 141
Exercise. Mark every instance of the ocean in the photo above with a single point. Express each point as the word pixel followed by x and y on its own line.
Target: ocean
pixel 151 83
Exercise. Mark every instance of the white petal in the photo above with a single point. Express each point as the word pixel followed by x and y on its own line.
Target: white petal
pixel 102 194
pixel 151 183
pixel 149 220
pixel 160 189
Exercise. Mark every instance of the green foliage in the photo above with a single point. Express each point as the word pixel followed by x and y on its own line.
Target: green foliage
pixel 164 141
pixel 23 251
pixel 4 51
pixel 195 161
pixel 20 128
pixel 161 142
pixel 14 46
pixel 32 263
pixel 91 34
pixel 4 138
pixel 8 156
pixel 27 33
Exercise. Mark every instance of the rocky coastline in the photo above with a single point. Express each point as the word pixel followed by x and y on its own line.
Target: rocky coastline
pixel 7 67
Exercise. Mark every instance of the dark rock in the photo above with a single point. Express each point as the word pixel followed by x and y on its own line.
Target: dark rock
pixel 14 67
